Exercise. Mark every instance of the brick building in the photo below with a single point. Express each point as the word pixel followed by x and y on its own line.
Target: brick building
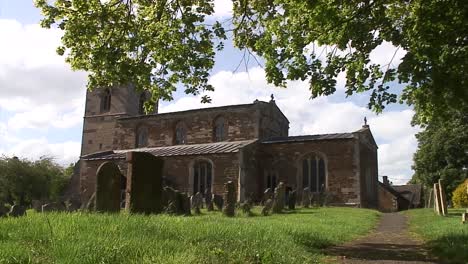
pixel 247 144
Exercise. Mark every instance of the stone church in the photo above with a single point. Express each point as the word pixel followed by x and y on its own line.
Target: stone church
pixel 247 144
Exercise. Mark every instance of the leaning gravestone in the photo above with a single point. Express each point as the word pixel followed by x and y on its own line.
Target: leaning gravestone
pixel 306 197
pixel 278 201
pixel 17 210
pixel 218 202
pixel 169 200
pixel 229 198
pixel 196 202
pixel 292 200
pixel 108 187
pixel 144 183
pixel 53 207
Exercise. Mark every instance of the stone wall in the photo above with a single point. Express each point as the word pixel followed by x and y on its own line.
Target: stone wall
pixel 243 122
pixel 341 166
pixel 387 201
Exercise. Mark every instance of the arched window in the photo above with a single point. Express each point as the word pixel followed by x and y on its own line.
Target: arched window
pixel 142 137
pixel 313 173
pixel 180 133
pixel 141 104
pixel 220 130
pixel 106 100
pixel 202 176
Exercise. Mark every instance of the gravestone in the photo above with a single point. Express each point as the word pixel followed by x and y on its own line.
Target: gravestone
pixel 17 210
pixel 73 205
pixel 91 204
pixel 292 200
pixel 196 202
pixel 278 201
pixel 53 207
pixel 306 197
pixel 229 198
pixel 218 202
pixel 267 207
pixel 209 200
pixel 185 204
pixel 169 200
pixel 108 187
pixel 267 194
pixel 443 199
pixel 144 183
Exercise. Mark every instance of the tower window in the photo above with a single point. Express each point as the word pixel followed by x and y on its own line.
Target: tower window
pixel 180 133
pixel 106 100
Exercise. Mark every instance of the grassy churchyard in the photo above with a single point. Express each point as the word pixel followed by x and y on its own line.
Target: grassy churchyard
pixel 296 237
pixel 446 237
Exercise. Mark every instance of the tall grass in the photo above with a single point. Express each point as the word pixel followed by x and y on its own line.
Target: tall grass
pixel 208 238
pixel 446 237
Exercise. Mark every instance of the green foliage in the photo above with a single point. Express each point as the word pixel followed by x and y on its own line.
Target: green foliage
pixel 151 45
pixel 156 45
pixel 208 238
pixel 446 237
pixel 442 152
pixel 22 181
pixel 460 195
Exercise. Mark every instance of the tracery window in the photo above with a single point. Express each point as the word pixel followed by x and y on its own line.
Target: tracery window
pixel 180 133
pixel 220 132
pixel 202 176
pixel 313 173
pixel 106 100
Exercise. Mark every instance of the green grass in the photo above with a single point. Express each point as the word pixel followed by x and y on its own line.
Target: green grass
pixel 210 238
pixel 446 237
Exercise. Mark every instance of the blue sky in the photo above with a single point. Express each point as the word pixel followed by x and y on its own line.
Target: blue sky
pixel 42 100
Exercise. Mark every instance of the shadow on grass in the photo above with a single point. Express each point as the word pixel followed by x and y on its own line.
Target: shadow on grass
pixel 450 248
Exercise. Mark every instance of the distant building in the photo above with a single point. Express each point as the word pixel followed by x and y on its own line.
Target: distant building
pixel 247 144
pixel 393 198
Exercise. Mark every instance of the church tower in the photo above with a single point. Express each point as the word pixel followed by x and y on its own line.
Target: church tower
pixel 102 109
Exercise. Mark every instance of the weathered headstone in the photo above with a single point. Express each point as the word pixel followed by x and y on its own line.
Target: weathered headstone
pixel 267 207
pixel 267 194
pixel 196 202
pixel 292 200
pixel 108 188
pixel 53 207
pixel 218 201
pixel 209 200
pixel 144 183
pixel 229 198
pixel 278 204
pixel 17 210
pixel 185 203
pixel 443 199
pixel 306 197
pixel 169 200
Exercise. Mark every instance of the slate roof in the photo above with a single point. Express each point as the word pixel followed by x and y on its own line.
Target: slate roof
pixel 309 138
pixel 178 150
pixel 414 189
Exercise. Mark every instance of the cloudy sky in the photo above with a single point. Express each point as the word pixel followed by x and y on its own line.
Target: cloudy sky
pixel 42 99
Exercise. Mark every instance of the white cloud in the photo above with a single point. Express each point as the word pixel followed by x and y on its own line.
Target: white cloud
pixel 223 8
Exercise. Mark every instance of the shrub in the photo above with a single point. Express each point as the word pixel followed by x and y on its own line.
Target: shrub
pixel 460 195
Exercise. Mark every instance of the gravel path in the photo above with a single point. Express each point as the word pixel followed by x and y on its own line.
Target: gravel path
pixel 389 243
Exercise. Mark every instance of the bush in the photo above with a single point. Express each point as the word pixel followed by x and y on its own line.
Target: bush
pixel 460 195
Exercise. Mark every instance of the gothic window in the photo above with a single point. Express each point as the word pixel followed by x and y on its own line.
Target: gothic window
pixel 180 133
pixel 106 100
pixel 220 132
pixel 141 104
pixel 142 137
pixel 313 173
pixel 202 176
pixel 271 181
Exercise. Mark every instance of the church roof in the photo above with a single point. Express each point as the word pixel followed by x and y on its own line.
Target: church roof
pixel 178 150
pixel 309 138
pixel 412 192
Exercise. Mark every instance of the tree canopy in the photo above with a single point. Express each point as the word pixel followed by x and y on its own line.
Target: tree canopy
pixel 22 181
pixel 158 44
pixel 443 152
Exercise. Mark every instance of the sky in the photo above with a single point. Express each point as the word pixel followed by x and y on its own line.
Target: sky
pixel 42 99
